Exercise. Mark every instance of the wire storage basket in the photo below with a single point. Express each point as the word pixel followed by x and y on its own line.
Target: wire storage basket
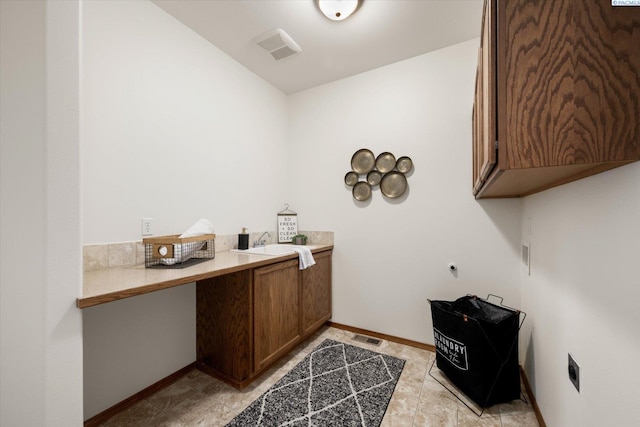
pixel 174 251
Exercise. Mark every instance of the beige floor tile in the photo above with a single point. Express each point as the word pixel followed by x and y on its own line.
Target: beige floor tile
pixel 194 409
pixel 142 414
pixel 469 419
pixel 518 413
pixel 468 414
pixel 392 349
pixel 515 407
pixel 433 415
pixel 174 396
pixel 405 398
pixel 436 407
pixel 417 354
pixel 419 400
pixel 237 400
pixel 415 369
pixel 521 419
pixel 466 404
pixel 435 392
pixel 395 419
pixel 216 416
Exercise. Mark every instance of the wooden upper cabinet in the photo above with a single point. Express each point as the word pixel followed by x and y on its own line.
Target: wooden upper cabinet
pixel 484 155
pixel 566 76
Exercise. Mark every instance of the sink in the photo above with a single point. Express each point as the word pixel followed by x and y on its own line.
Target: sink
pixel 272 250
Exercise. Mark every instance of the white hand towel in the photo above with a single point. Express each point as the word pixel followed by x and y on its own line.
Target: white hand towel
pixel 304 255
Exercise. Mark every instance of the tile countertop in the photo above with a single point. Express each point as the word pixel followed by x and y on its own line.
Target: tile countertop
pixel 112 284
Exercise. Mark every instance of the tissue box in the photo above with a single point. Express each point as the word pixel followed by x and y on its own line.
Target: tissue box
pixel 173 251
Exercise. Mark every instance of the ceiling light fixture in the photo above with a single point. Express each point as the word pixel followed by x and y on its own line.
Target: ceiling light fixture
pixel 337 10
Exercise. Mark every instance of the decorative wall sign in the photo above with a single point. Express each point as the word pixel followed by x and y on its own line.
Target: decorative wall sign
pixel 369 171
pixel 287 225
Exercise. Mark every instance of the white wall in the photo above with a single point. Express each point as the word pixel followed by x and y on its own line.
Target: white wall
pixel 132 343
pixel 582 297
pixel 175 130
pixel 391 255
pixel 151 85
pixel 41 335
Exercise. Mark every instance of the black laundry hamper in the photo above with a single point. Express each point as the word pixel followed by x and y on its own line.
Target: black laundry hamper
pixel 477 348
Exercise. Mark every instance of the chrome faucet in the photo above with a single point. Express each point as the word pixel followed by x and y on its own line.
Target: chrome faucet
pixel 261 241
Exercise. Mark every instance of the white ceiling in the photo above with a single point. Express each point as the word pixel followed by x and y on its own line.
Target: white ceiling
pixel 380 32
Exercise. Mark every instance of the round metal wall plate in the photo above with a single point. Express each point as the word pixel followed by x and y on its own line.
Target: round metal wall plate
pixel 404 164
pixel 361 191
pixel 363 161
pixel 374 177
pixel 385 162
pixel 351 178
pixel 393 184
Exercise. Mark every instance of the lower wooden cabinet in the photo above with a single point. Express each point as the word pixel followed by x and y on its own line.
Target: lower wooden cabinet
pixel 316 294
pixel 249 319
pixel 276 324
pixel 223 326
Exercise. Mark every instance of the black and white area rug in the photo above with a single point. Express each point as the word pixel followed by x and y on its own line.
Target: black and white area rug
pixel 335 385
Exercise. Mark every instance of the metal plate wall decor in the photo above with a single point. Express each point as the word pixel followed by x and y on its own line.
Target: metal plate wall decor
pixel 404 164
pixel 385 162
pixel 361 191
pixel 383 170
pixel 363 161
pixel 351 178
pixel 374 177
pixel 393 184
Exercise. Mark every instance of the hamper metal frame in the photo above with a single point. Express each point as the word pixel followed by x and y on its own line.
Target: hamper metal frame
pixel 456 393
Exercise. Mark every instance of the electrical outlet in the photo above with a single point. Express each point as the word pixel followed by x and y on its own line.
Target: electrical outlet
pixel 146 226
pixel 574 372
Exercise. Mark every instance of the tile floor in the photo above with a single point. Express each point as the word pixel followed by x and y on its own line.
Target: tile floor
pixel 199 400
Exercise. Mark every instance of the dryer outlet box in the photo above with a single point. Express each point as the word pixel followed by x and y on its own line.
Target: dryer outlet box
pixel 574 372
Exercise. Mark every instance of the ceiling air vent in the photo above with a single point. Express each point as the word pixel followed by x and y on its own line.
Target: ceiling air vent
pixel 278 43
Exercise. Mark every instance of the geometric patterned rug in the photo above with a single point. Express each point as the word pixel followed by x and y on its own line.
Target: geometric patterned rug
pixel 337 384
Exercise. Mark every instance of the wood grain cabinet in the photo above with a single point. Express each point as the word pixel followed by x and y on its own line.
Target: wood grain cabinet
pixel 249 319
pixel 276 321
pixel 315 294
pixel 557 95
pixel 224 329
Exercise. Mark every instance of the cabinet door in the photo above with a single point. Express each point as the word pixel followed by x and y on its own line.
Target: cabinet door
pixel 276 311
pixel 539 47
pixel 477 128
pixel 316 293
pixel 606 90
pixel 488 92
pixel 485 155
